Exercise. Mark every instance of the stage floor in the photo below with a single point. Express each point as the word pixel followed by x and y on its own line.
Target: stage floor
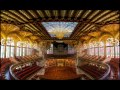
pixel 60 73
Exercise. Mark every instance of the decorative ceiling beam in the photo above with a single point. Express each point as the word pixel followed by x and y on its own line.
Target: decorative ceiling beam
pixel 43 29
pixel 60 40
pixel 83 20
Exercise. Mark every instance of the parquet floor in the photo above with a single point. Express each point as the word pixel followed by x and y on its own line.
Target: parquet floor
pixel 60 73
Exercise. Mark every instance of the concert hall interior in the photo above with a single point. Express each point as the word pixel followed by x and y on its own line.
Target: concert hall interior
pixel 60 45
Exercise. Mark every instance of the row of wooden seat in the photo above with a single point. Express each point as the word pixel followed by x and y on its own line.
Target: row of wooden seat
pixel 3 60
pixel 115 65
pixel 27 58
pixel 4 66
pixel 93 70
pixel 6 62
pixel 26 71
pixel 92 58
pixel 84 77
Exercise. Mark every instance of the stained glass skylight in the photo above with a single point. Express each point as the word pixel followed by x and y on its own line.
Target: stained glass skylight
pixel 51 26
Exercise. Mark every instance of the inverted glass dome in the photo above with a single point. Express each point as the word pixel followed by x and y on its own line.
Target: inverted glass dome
pixel 51 26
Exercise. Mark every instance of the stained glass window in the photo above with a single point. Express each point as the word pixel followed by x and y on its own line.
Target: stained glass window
pixel 96 51
pixel 117 49
pixel 109 49
pixel 28 49
pixel 2 51
pixel 24 51
pixel 12 51
pixel 12 48
pixel 50 50
pixel 69 26
pixel 9 47
pixel 101 49
pixel 91 49
pixel 19 51
pixel 2 48
pixel 7 51
pixel 96 47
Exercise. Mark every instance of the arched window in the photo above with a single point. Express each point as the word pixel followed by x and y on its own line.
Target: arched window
pixel 19 48
pixel 12 48
pixel 29 49
pixel 85 46
pixel 50 50
pixel 101 48
pixel 9 47
pixel 2 48
pixel 117 49
pixel 35 46
pixel 24 46
pixel 91 49
pixel 96 46
pixel 109 48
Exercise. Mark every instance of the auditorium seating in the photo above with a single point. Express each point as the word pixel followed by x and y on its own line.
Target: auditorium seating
pixel 92 58
pixel 115 65
pixel 24 71
pixel 84 77
pixel 5 64
pixel 94 70
pixel 27 58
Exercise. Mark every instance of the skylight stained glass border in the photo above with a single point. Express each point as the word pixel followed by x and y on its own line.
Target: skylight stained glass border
pixel 69 26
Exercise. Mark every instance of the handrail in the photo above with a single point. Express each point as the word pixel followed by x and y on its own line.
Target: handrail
pixel 106 74
pixel 100 63
pixel 29 78
pixel 10 69
pixel 86 74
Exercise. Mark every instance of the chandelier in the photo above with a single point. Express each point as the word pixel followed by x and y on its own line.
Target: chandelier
pixel 59 32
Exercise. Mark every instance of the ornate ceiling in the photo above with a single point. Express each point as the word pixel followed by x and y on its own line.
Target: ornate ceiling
pixel 88 21
pixel 68 27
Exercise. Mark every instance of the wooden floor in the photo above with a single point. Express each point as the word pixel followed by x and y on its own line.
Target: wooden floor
pixel 60 73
